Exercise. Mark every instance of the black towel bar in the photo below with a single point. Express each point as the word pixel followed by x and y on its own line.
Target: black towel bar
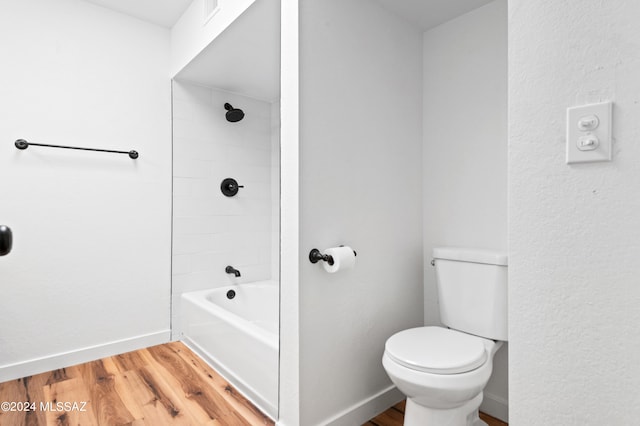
pixel 23 144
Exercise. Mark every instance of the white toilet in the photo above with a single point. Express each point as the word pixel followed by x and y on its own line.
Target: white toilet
pixel 443 371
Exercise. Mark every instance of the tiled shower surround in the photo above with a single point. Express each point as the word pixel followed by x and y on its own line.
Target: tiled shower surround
pixel 211 230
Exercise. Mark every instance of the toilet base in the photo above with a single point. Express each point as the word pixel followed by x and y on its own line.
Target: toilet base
pixel 465 415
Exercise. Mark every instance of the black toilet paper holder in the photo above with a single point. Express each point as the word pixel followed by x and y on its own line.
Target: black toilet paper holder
pixel 315 256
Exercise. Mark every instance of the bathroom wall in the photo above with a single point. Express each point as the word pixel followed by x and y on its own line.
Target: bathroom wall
pixel 275 191
pixel 360 185
pixel 194 30
pixel 289 374
pixel 573 230
pixel 89 274
pixel 210 230
pixel 465 151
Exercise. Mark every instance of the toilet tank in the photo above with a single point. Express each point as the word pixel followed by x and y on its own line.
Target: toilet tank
pixel 472 290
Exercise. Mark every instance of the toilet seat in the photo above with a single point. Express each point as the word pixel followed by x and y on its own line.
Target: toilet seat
pixel 437 350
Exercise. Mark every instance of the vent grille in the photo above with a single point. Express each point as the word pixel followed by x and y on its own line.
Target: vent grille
pixel 211 7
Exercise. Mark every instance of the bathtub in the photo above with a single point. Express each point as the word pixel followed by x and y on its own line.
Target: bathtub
pixel 238 337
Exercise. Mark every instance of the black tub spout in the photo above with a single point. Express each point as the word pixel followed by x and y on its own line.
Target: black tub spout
pixel 232 270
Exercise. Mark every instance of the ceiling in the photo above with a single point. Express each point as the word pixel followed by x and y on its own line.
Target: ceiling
pixel 245 57
pixel 160 12
pixel 425 14
pixel 255 34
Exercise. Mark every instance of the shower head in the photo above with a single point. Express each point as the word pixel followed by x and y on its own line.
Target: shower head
pixel 233 114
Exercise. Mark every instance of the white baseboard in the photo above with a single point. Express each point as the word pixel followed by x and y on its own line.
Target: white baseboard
pixel 366 409
pixel 78 356
pixel 495 406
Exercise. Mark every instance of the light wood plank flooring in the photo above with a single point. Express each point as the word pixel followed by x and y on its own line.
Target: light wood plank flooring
pixel 162 385
pixel 394 416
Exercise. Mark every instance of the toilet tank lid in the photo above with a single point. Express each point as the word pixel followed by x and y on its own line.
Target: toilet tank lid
pixel 491 257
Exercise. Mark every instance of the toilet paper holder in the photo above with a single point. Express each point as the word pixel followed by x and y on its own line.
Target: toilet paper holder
pixel 315 256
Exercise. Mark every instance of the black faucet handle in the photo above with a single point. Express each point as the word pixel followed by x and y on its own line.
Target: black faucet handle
pixel 6 240
pixel 229 187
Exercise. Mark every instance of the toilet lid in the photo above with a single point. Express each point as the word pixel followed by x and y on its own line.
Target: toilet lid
pixel 436 350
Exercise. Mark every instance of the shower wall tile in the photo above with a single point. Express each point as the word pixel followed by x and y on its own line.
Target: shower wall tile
pixel 186 149
pixel 189 187
pixel 191 110
pixel 210 261
pixel 193 282
pixel 210 230
pixel 207 206
pixel 181 264
pixel 195 243
pixel 191 93
pixel 192 169
pixel 199 225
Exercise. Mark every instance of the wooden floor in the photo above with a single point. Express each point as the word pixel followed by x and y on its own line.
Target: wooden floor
pixel 394 416
pixel 162 385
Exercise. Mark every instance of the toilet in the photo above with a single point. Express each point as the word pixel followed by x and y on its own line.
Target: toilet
pixel 443 370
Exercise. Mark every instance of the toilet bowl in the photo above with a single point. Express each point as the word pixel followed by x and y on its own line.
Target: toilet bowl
pixel 442 372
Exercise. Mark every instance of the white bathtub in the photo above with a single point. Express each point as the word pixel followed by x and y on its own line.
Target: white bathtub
pixel 238 337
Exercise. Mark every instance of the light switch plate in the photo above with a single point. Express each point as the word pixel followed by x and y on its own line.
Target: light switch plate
pixel 589 133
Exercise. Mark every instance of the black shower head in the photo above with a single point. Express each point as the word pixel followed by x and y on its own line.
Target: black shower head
pixel 233 114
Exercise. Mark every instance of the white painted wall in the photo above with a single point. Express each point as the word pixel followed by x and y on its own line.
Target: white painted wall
pixel 465 151
pixel 289 374
pixel 360 185
pixel 210 230
pixel 193 32
pixel 573 230
pixel 275 191
pixel 89 275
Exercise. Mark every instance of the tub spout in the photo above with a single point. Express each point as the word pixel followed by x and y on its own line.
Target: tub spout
pixel 232 270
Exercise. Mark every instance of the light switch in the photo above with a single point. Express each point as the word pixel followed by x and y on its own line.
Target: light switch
pixel 588 123
pixel 589 133
pixel 588 143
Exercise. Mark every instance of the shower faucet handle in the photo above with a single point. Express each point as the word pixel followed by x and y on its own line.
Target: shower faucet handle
pixel 229 187
pixel 6 240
